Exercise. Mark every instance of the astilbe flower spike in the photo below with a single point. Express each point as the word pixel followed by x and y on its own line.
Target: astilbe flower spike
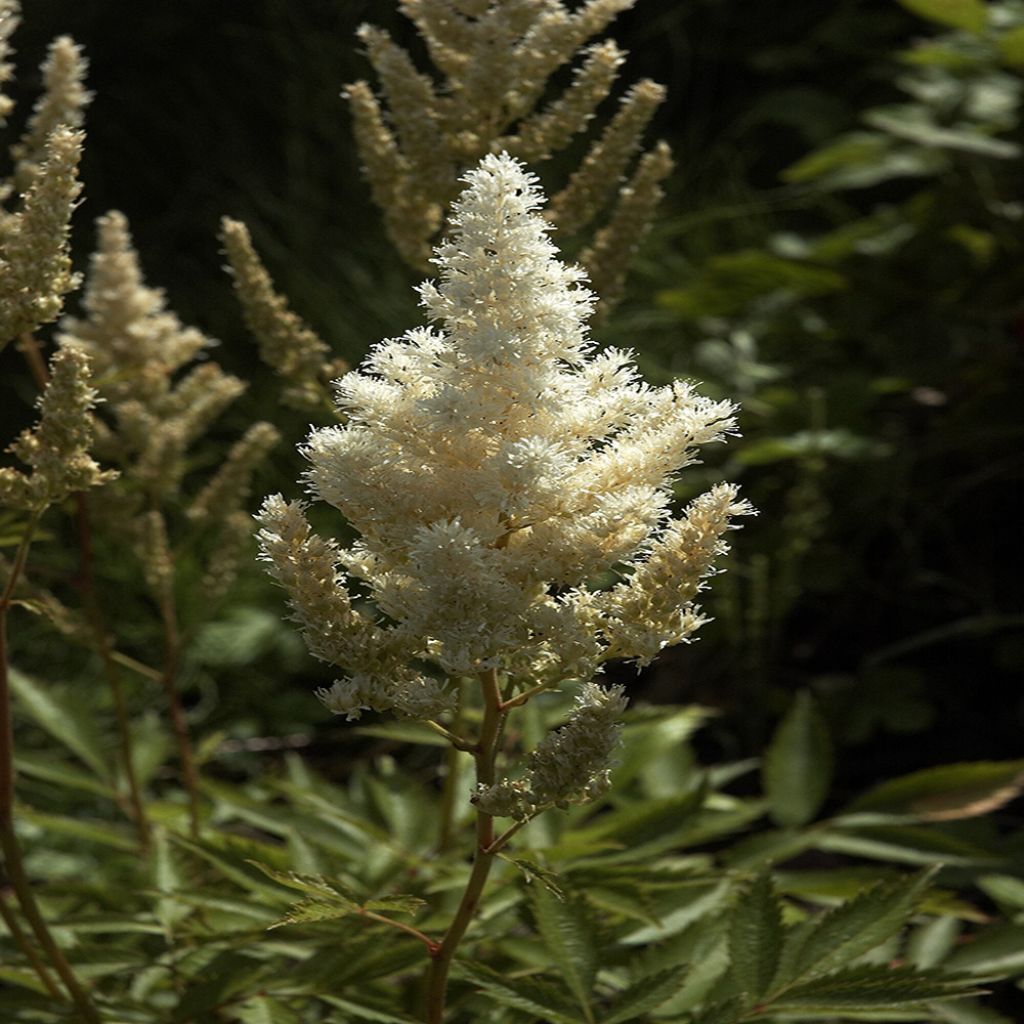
pixel 422 131
pixel 494 465
pixel 38 199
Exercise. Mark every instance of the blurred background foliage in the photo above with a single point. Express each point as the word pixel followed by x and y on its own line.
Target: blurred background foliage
pixel 840 250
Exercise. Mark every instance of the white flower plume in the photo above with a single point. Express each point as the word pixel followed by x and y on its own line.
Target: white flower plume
pixel 493 466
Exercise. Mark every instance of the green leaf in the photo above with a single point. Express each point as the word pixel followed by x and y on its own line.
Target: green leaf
pixel 73 726
pixel 947 792
pixel 568 936
pixel 966 14
pixel 264 1010
pixel 398 903
pixel 359 1011
pixel 1011 46
pixel 647 993
pixel 933 941
pixel 995 951
pixel 904 844
pixel 911 123
pixel 403 732
pixel 62 773
pixel 851 929
pixel 311 910
pixel 797 768
pixel 99 832
pixel 529 994
pixel 755 937
pixel 869 987
pixel 732 281
pixel 860 160
pixel 313 885
pixel 838 444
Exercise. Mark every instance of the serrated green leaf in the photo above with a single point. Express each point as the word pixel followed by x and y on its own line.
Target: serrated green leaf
pixel 966 14
pixel 313 885
pixel 568 936
pixel 798 765
pixel 534 872
pixel 311 910
pixel 65 722
pixel 529 994
pixel 947 792
pixel 647 993
pixel 755 937
pixel 850 930
pixel 871 986
pixel 400 903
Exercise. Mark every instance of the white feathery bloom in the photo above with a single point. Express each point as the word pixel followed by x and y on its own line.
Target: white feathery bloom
pixel 493 467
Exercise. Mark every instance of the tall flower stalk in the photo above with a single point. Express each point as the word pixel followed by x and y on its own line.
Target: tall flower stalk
pixel 495 466
pixel 56 456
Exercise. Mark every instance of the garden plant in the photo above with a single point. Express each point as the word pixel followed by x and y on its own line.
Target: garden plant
pixel 508 804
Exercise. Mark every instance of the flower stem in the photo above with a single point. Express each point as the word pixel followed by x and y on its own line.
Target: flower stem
pixel 9 845
pixel 169 678
pixel 483 859
pixel 90 600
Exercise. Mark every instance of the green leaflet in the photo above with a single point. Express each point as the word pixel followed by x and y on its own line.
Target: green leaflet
pixel 643 995
pixel 567 930
pixel 327 900
pixel 869 987
pixel 73 726
pixel 264 1010
pixel 798 765
pixel 947 792
pixel 849 931
pixel 529 994
pixel 755 937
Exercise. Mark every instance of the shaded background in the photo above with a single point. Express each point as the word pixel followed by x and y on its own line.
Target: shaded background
pixel 882 429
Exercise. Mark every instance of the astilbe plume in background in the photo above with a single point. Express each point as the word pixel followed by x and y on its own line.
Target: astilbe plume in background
pixel 37 201
pixel 426 132
pixel 494 465
pixel 286 343
pixel 159 399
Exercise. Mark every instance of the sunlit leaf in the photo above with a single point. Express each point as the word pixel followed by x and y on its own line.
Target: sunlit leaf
pixel 967 14
pixel 798 765
pixel 947 792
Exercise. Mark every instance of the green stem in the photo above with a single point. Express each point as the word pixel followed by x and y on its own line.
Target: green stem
pixel 179 723
pixel 451 777
pixel 24 943
pixel 483 859
pixel 94 613
pixel 13 862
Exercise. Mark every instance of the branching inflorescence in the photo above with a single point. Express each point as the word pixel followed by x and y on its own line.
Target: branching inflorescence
pixel 495 467
pixel 494 62
pixel 38 199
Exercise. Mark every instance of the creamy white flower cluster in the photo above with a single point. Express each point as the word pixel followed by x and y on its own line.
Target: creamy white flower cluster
pixel 571 765
pixel 495 467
